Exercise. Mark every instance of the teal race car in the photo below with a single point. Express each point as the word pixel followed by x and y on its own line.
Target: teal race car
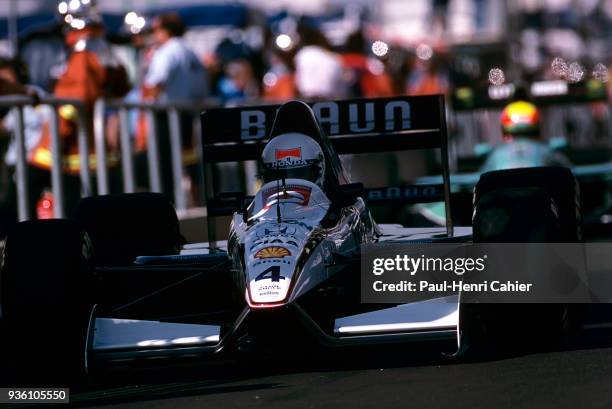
pixel 591 165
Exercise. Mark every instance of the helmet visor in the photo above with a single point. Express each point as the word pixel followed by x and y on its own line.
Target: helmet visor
pixel 310 173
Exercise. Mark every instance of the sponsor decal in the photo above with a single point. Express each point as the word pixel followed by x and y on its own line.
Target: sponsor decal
pixel 289 163
pixel 288 153
pixel 275 240
pixel 273 252
pixel 271 231
pixel 404 192
pixel 361 117
pixel 267 284
pixel 270 261
pixel 270 287
pixel 288 158
pixel 268 293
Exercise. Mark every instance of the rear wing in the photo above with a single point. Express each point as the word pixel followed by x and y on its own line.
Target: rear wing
pixel 542 93
pixel 352 126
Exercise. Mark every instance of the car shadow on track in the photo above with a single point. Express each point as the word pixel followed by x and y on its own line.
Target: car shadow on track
pixel 266 371
pixel 172 390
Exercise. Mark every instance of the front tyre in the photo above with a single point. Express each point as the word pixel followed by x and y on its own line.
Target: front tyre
pixel 46 284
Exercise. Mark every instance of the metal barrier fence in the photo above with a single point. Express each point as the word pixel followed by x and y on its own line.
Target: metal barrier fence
pixel 21 171
pixel 18 102
pixel 173 111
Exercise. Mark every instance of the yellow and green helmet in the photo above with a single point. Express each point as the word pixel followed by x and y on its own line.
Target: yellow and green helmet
pixel 521 118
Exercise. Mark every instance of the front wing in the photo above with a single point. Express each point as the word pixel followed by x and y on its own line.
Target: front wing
pixel 144 329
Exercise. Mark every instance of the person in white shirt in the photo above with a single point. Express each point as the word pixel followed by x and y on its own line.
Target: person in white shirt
pixel 175 74
pixel 318 70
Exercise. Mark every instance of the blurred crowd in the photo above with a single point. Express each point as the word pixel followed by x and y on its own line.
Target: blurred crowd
pixel 302 63
pixel 77 59
pixel 81 65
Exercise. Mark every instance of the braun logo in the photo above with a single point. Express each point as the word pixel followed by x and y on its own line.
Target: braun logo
pixel 361 118
pixel 400 192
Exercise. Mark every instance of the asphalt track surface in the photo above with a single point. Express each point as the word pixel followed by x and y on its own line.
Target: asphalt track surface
pixel 578 377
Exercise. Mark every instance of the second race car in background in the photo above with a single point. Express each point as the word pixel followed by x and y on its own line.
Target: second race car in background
pixel 554 101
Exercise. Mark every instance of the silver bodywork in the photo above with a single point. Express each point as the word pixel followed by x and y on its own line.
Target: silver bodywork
pixel 287 219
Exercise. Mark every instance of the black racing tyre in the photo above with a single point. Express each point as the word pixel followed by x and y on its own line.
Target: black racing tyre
pixel 532 205
pixel 558 182
pixel 516 215
pixel 124 226
pixel 46 293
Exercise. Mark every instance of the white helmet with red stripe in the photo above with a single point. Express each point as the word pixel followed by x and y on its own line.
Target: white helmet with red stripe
pixel 293 156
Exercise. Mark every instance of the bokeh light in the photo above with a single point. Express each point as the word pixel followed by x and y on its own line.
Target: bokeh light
pixel 74 5
pixel 380 48
pixel 496 76
pixel 375 66
pixel 270 79
pixel 130 18
pixel 283 41
pixel 140 23
pixel 575 72
pixel 77 24
pixel 62 7
pixel 600 72
pixel 424 51
pixel 559 67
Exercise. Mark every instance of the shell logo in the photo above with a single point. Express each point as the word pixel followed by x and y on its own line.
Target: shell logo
pixel 272 252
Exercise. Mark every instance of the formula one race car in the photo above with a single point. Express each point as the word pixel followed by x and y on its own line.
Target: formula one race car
pixel 117 285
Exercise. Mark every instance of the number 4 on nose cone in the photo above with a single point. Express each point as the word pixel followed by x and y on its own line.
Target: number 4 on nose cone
pixel 272 272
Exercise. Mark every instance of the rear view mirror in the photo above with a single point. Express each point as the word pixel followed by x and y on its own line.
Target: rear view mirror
pixel 351 189
pixel 349 192
pixel 226 203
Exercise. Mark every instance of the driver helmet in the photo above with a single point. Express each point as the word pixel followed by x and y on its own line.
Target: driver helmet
pixel 293 156
pixel 521 118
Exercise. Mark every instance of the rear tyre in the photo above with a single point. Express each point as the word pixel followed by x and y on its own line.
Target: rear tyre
pixel 125 226
pixel 557 182
pixel 531 205
pixel 46 293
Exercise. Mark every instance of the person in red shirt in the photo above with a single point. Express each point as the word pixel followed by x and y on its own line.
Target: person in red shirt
pixel 279 81
pixel 91 72
pixel 366 75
